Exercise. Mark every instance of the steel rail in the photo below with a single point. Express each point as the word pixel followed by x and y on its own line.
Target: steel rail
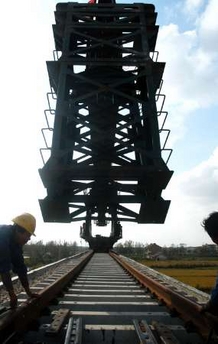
pixel 16 321
pixel 187 310
pixel 32 274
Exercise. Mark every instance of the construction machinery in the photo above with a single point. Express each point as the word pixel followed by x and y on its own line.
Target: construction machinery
pixel 107 159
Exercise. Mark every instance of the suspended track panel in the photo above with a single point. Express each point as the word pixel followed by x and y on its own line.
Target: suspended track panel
pixel 106 159
pixel 109 306
pixel 106 303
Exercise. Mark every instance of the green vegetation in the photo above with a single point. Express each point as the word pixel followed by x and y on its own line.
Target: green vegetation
pixel 181 264
pixel 196 273
pixel 196 267
pixel 38 254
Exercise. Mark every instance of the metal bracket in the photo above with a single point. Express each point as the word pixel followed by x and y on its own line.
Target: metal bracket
pixel 74 331
pixel 58 321
pixel 165 333
pixel 144 332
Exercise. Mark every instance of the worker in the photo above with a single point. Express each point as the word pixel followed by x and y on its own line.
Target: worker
pixel 12 239
pixel 210 224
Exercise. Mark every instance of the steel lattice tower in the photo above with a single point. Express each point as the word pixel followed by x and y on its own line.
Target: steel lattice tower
pixel 105 161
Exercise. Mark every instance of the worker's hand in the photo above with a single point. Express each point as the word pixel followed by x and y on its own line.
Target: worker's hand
pixel 13 299
pixel 206 307
pixel 209 307
pixel 32 295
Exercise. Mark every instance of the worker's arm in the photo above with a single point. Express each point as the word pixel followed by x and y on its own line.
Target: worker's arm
pixel 25 283
pixel 20 269
pixel 6 279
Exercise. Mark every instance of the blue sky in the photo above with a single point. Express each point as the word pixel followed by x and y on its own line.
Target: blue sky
pixel 187 42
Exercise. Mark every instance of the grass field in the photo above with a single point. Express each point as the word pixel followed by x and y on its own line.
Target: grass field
pixel 198 274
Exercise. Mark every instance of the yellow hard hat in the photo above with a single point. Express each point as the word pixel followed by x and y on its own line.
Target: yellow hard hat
pixel 26 221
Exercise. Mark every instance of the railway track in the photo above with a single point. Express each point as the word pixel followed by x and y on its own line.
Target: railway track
pixel 107 298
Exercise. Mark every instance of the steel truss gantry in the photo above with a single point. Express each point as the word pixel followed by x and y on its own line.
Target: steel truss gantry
pixel 105 162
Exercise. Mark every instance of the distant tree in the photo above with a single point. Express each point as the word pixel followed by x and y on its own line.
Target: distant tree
pixel 40 254
pixel 131 249
pixel 207 250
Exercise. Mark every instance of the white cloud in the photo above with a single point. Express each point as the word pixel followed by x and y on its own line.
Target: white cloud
pixel 194 196
pixel 200 184
pixel 192 5
pixel 191 73
pixel 208 28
